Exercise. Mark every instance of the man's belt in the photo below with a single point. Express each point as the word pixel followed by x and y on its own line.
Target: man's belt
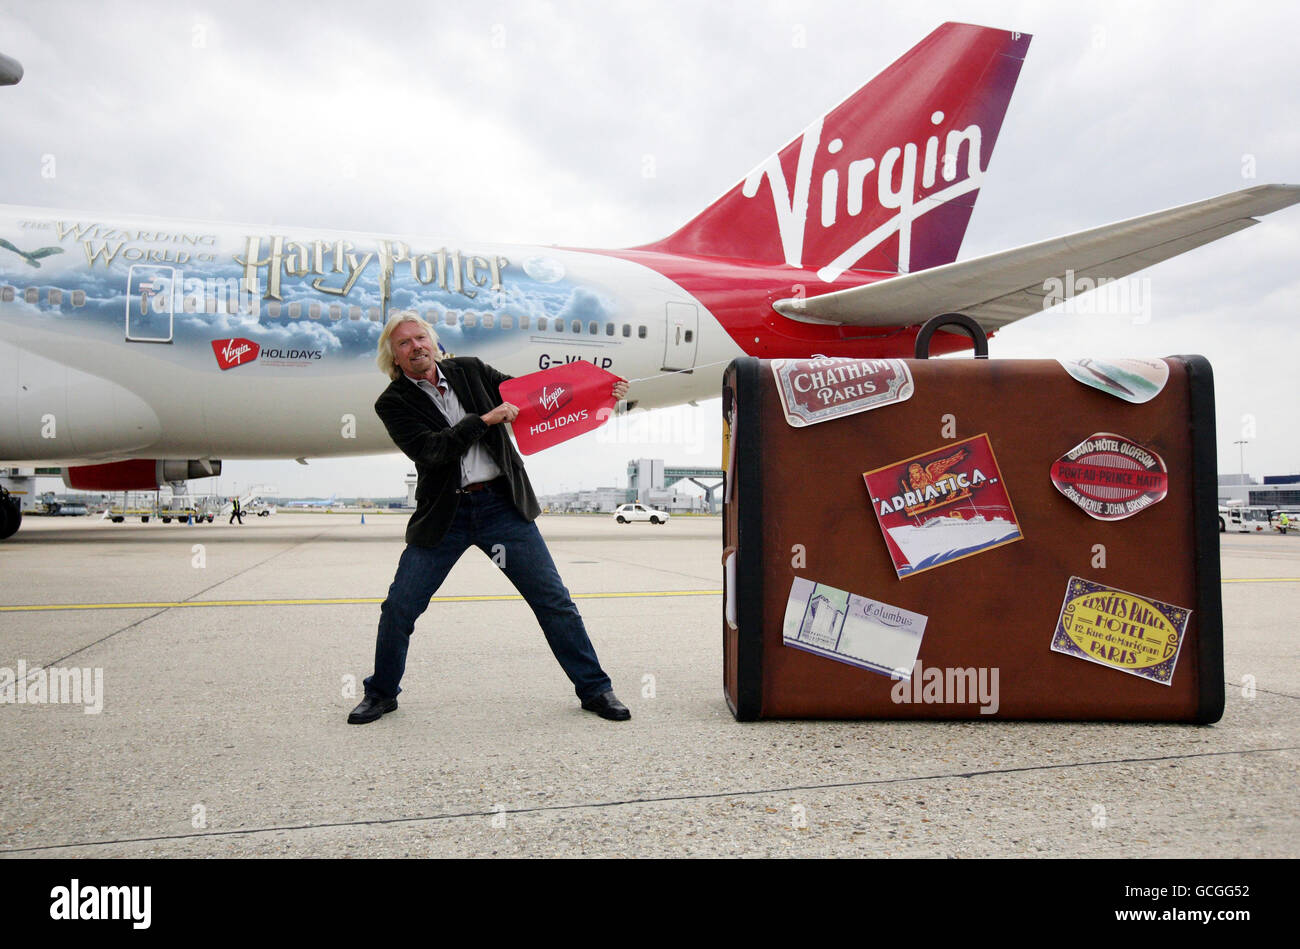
pixel 479 485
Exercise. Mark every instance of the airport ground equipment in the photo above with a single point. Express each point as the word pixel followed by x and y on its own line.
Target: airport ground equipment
pixel 1102 602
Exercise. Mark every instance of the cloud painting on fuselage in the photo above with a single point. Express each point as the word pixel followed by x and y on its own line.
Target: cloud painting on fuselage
pixel 315 299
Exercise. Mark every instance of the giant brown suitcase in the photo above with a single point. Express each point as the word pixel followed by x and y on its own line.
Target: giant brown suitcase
pixel 798 506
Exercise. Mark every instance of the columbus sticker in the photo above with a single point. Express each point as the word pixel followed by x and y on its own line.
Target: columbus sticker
pixel 942 506
pixel 1111 477
pixel 1131 633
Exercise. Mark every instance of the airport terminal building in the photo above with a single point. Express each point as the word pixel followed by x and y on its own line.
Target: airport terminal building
pixel 1276 491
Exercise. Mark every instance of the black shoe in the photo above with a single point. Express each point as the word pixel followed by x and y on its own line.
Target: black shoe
pixel 370 709
pixel 607 705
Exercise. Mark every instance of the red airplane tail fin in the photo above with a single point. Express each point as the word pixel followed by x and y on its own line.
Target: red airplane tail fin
pixel 886 180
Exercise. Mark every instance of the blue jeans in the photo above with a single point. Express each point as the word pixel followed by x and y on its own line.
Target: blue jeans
pixel 486 520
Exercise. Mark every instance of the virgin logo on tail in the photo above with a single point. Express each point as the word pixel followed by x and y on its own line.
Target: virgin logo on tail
pixel 884 182
pixel 895 187
pixel 235 352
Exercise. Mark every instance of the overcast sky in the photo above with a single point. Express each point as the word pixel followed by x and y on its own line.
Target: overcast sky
pixel 530 122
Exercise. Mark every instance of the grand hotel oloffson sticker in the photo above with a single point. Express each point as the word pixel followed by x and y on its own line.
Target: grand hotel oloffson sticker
pixel 1134 634
pixel 817 390
pixel 1111 477
pixel 942 505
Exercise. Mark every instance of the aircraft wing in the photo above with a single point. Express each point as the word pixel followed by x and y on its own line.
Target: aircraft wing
pixel 1001 288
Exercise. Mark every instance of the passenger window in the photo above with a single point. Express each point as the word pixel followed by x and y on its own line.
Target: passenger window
pixel 523 322
pixel 354 312
pixel 593 328
pixel 507 322
pixel 449 318
pixel 295 310
pixel 78 296
pixel 690 334
pixel 627 329
pixel 577 326
pixel 314 311
pixel 7 294
pixel 32 294
pixel 232 304
pixel 336 311
pixel 191 305
pixel 210 306
pixel 488 321
pixel 54 297
pixel 559 325
pixel 640 332
pixel 609 329
pixel 273 309
pixel 468 321
pixel 375 315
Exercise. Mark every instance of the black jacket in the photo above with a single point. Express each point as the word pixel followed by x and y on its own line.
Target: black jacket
pixel 417 427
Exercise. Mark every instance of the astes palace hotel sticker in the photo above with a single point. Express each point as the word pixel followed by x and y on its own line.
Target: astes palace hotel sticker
pixel 1131 633
pixel 1111 477
pixel 942 506
pixel 816 390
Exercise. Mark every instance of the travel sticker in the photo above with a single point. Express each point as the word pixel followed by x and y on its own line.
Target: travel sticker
pixel 852 629
pixel 943 505
pixel 1133 380
pixel 1131 633
pixel 816 390
pixel 1111 477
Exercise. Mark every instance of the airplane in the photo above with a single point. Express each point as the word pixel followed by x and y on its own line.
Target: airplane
pixel 152 349
pixel 310 502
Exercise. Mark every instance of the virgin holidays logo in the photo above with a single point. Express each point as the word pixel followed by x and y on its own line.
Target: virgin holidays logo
pixel 235 352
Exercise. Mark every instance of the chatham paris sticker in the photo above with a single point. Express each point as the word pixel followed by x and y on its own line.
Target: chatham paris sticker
pixel 817 390
pixel 942 506
pixel 1125 631
pixel 1111 477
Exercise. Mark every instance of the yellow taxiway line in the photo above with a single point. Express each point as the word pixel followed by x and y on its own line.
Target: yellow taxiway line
pixel 328 601
pixel 1263 580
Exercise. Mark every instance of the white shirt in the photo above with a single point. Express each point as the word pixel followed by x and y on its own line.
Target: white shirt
pixel 476 464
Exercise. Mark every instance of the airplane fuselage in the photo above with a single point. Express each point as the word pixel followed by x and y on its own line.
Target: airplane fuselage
pixel 185 339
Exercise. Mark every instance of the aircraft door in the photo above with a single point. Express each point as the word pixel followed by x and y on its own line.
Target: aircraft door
pixel 149 303
pixel 680 340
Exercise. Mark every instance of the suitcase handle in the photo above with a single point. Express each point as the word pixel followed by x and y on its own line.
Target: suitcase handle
pixel 977 334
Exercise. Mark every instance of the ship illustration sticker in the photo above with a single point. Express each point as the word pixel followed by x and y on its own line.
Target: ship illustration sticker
pixel 1133 380
pixel 852 629
pixel 942 506
pixel 1111 477
pixel 1125 631
pixel 817 390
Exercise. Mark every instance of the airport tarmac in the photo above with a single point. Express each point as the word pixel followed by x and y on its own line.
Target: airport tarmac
pixel 229 653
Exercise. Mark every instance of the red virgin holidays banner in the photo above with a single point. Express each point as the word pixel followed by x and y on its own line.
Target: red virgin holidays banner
pixel 559 403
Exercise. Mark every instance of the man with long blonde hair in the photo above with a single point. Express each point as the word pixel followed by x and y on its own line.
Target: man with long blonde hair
pixel 446 414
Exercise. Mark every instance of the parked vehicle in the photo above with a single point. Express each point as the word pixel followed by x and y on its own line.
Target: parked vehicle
pixel 1243 519
pixel 626 513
